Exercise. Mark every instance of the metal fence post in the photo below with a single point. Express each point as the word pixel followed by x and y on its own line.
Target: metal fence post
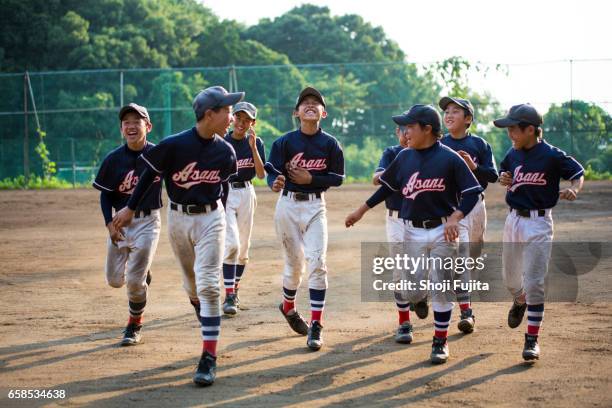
pixel 26 144
pixel 72 157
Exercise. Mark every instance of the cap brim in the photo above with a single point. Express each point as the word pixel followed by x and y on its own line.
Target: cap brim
pixel 404 120
pixel 245 111
pixel 444 102
pixel 231 99
pixel 127 109
pixel 311 92
pixel 505 122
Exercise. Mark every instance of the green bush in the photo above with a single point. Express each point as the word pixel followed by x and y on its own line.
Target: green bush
pixel 36 183
pixel 590 174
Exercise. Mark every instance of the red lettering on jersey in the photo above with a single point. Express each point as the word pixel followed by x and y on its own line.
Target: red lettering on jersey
pixel 521 179
pixel 190 176
pixel 416 186
pixel 312 164
pixel 128 184
pixel 245 163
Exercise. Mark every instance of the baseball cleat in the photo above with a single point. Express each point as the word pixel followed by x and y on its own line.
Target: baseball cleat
pixel 131 335
pixel 516 313
pixel 439 351
pixel 149 277
pixel 531 351
pixel 296 322
pixel 315 341
pixel 467 322
pixel 229 306
pixel 207 370
pixel 421 309
pixel 403 335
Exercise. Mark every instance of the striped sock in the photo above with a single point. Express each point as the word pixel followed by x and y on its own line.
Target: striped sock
pixel 403 309
pixel 535 314
pixel 463 298
pixel 239 272
pixel 317 304
pixel 136 311
pixel 288 299
pixel 210 323
pixel 229 276
pixel 441 323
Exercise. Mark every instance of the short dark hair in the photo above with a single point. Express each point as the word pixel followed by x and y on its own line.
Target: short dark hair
pixel 436 132
pixel 537 130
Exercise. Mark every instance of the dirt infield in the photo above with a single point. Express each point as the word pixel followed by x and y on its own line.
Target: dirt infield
pixel 60 324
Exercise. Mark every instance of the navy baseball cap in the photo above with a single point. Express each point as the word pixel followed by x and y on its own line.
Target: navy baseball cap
pixel 523 113
pixel 423 114
pixel 309 91
pixel 462 103
pixel 247 108
pixel 214 97
pixel 139 110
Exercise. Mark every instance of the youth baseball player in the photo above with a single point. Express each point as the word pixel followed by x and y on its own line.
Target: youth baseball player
pixel 130 251
pixel 241 200
pixel 477 154
pixel 438 190
pixel 194 164
pixel 395 233
pixel 303 164
pixel 531 171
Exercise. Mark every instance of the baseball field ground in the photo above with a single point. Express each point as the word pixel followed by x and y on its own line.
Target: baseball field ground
pixel 61 324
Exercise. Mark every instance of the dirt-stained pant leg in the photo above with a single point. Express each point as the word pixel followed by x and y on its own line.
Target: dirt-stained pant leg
pixel 144 236
pixel 245 222
pixel 116 259
pixel 315 243
pixel 179 228
pixel 395 229
pixel 209 238
pixel 416 246
pixel 286 221
pixel 440 249
pixel 232 239
pixel 512 256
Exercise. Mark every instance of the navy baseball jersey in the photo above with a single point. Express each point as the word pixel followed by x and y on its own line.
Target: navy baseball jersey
pixel 536 174
pixel 430 181
pixel 119 174
pixel 320 154
pixel 244 157
pixel 395 201
pixel 480 152
pixel 193 167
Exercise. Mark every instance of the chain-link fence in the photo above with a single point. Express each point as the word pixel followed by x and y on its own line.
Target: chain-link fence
pixel 77 110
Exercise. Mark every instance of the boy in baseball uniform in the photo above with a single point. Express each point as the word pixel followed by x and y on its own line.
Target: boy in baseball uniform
pixel 195 164
pixel 302 165
pixel 477 154
pixel 438 190
pixel 130 251
pixel 531 172
pixel 241 200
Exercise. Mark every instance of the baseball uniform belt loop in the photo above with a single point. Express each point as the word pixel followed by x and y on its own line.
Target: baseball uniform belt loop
pixel 192 209
pixel 142 213
pixel 527 213
pixel 299 196
pixel 426 224
pixel 393 213
pixel 240 184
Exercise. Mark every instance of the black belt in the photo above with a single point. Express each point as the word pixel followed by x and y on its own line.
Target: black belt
pixel 191 209
pixel 527 213
pixel 426 224
pixel 390 213
pixel 142 213
pixel 299 196
pixel 240 184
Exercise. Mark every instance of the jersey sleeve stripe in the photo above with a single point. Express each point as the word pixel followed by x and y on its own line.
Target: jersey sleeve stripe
pixel 379 169
pixel 471 188
pixel 149 164
pixel 387 184
pixel 228 177
pixel 336 174
pixel 102 187
pixel 274 168
pixel 578 174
